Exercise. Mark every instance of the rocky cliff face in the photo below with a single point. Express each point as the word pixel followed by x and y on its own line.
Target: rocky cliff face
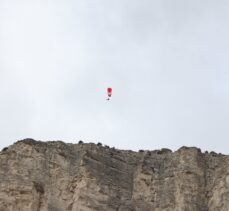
pixel 54 176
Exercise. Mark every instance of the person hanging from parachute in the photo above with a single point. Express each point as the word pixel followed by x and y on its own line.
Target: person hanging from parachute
pixel 109 92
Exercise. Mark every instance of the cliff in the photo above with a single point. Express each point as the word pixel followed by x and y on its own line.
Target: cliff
pixel 55 176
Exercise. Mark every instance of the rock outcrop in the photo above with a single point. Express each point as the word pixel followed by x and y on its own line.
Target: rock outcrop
pixel 54 176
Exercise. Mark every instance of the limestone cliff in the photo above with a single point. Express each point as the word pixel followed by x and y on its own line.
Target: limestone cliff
pixel 54 176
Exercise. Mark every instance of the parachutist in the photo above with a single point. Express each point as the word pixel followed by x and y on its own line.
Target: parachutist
pixel 109 93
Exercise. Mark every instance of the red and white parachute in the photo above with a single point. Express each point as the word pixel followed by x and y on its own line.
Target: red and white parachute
pixel 109 92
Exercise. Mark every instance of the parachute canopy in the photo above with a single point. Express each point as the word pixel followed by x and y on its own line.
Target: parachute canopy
pixel 109 91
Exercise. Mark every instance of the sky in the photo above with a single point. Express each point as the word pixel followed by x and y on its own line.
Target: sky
pixel 167 62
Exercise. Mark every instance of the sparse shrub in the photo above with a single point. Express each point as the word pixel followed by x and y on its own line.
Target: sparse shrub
pixel 165 150
pixel 213 153
pixel 159 152
pixel 4 149
pixel 148 153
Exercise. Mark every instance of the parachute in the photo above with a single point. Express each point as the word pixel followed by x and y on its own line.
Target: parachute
pixel 109 92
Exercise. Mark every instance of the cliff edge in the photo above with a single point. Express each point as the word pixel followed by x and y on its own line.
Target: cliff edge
pixel 55 176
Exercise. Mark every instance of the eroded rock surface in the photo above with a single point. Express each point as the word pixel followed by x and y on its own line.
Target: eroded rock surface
pixel 54 176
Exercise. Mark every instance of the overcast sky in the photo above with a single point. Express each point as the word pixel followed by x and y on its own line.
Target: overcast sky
pixel 167 62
